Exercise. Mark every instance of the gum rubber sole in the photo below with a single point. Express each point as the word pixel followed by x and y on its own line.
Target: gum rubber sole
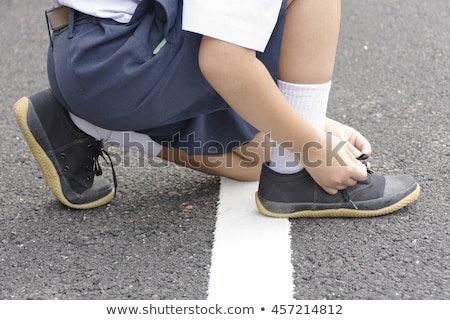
pixel 343 212
pixel 45 164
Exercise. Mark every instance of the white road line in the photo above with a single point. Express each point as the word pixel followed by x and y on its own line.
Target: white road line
pixel 251 255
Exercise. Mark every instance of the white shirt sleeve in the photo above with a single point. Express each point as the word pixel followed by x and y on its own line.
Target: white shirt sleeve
pixel 247 23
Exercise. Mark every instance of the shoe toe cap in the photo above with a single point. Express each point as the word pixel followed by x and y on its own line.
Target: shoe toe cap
pixel 100 192
pixel 399 184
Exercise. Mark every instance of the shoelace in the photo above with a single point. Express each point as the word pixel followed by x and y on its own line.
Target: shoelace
pixel 100 152
pixel 363 158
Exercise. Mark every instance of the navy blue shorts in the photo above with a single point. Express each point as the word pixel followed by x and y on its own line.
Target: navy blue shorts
pixel 126 77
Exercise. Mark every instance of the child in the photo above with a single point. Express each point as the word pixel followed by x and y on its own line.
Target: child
pixel 200 83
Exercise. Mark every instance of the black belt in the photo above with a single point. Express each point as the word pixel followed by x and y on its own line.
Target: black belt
pixel 58 18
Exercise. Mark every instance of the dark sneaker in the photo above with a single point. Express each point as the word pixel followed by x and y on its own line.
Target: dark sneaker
pixel 67 156
pixel 298 195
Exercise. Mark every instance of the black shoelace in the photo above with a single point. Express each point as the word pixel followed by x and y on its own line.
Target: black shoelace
pixel 100 152
pixel 363 158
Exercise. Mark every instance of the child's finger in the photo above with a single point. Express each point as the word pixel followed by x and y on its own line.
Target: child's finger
pixel 353 151
pixel 360 142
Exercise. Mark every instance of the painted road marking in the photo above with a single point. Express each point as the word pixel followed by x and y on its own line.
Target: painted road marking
pixel 251 255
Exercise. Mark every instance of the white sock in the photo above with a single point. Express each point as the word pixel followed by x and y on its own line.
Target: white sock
pixel 310 101
pixel 126 139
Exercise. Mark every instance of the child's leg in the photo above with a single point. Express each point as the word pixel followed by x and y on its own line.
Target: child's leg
pixel 243 164
pixel 307 58
pixel 309 41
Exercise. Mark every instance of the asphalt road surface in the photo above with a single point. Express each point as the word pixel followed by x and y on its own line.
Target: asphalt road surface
pixel 154 240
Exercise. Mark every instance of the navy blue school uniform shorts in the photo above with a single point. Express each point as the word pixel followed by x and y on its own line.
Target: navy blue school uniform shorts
pixel 144 76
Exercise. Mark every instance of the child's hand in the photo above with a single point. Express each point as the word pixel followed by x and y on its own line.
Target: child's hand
pixel 332 163
pixel 345 132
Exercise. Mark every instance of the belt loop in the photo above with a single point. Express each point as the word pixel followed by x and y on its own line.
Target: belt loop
pixel 71 23
pixel 48 30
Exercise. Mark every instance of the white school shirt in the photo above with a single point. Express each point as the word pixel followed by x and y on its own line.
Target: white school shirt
pixel 247 23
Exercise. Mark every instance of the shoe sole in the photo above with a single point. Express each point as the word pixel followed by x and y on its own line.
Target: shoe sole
pixel 45 164
pixel 341 212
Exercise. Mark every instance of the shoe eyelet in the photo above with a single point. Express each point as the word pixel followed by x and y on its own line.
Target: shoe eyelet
pixel 88 178
pixel 89 146
pixel 66 168
pixel 62 155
